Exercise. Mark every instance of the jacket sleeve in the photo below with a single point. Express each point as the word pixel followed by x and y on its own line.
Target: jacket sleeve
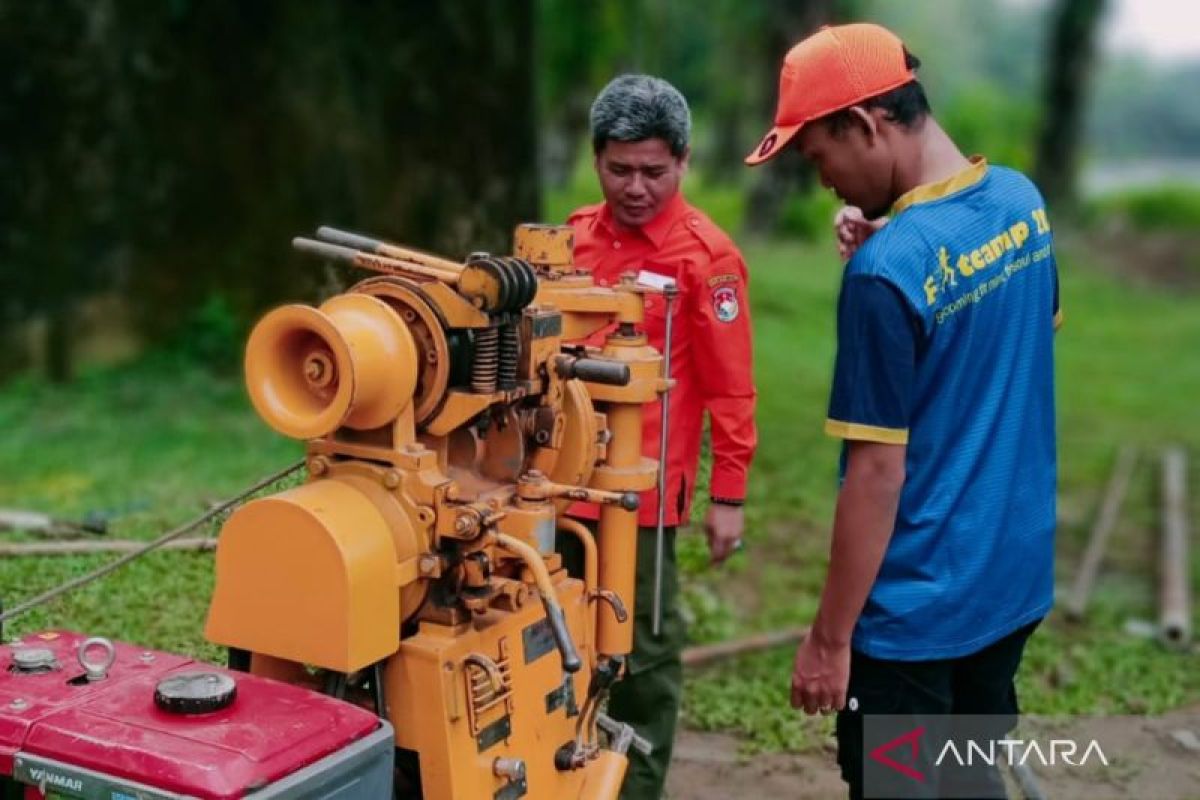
pixel 718 316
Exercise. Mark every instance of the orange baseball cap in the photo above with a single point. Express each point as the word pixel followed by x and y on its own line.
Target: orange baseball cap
pixel 833 69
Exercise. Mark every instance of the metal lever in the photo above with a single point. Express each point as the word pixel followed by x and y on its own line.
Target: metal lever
pixel 622 736
pixel 670 291
pixel 533 485
pixel 554 612
pixel 614 600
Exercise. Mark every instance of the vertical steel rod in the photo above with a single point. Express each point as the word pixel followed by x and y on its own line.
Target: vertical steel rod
pixel 665 420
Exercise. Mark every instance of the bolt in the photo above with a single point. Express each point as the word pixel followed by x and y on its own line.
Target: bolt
pixel 464 523
pixel 427 564
pixel 147 657
pixel 511 768
pixel 391 479
pixel 318 466
pixel 19 704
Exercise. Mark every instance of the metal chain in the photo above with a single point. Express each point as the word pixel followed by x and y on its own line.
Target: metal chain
pixel 83 580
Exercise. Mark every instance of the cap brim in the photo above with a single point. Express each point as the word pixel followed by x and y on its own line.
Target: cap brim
pixel 773 143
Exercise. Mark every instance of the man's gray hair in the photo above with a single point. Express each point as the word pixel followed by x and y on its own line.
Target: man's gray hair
pixel 637 107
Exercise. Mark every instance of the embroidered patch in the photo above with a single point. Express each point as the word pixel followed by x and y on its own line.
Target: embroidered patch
pixel 717 280
pixel 725 304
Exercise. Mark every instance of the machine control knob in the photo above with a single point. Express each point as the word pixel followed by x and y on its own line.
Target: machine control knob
pixel 195 692
pixel 34 660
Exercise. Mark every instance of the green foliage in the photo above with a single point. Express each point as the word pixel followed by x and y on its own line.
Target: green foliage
pixel 985 119
pixel 808 216
pixel 1168 207
pixel 213 335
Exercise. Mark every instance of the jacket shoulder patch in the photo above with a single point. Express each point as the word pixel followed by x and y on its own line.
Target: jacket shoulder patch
pixel 715 241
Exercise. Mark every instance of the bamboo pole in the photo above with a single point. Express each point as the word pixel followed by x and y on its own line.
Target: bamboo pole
pixel 702 655
pixel 1114 497
pixel 1175 602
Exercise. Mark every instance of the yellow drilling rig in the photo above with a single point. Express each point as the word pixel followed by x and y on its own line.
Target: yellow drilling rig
pixel 451 412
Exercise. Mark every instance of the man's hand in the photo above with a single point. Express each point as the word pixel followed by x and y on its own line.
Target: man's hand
pixel 852 229
pixel 820 676
pixel 724 526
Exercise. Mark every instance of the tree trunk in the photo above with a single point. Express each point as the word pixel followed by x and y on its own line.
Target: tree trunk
pixel 786 24
pixel 1069 60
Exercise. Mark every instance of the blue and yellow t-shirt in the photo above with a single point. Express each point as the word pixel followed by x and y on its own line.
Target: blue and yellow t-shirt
pixel 945 344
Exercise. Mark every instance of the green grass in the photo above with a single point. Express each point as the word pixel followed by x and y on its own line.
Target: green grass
pixel 152 445
pixel 157 441
pixel 1169 207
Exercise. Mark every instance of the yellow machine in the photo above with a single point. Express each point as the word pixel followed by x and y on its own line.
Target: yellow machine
pixel 451 413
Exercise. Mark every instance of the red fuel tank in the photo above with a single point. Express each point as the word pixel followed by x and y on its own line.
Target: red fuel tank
pixel 209 733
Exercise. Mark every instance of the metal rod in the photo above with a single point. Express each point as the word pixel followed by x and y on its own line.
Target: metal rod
pixel 1175 602
pixel 360 242
pixel 664 425
pixel 371 261
pixel 1114 497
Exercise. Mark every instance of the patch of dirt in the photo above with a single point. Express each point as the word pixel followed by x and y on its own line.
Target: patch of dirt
pixel 1159 258
pixel 709 766
pixel 1148 757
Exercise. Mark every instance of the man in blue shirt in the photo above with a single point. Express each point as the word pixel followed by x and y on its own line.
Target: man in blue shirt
pixel 942 556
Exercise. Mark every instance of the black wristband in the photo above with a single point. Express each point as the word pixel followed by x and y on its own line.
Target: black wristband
pixel 726 501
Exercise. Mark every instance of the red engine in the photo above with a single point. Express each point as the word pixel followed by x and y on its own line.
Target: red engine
pixel 86 718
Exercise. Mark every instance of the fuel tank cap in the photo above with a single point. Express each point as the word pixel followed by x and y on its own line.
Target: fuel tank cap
pixel 33 660
pixel 195 692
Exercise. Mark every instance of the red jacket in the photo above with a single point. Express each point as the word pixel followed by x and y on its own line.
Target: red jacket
pixel 711 353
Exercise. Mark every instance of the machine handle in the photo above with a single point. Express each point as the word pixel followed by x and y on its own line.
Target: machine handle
pixel 554 611
pixel 562 637
pixel 594 370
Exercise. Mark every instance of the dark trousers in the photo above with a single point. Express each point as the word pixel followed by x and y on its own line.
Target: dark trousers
pixel 649 696
pixel 977 684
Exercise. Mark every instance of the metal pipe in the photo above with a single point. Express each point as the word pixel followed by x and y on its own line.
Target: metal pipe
pixel 554 611
pixel 588 542
pixel 664 426
pixel 1175 602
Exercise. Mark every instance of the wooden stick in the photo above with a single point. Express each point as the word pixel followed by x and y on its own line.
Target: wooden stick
pixel 701 655
pixel 1174 593
pixel 110 546
pixel 1114 497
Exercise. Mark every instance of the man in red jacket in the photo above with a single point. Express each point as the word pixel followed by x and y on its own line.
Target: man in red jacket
pixel 640 127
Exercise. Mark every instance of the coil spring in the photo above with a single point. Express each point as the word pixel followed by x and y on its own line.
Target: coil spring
pixel 486 364
pixel 510 356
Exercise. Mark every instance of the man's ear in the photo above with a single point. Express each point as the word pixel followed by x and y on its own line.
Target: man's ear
pixel 865 122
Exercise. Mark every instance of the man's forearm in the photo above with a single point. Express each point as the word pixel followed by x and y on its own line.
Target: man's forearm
pixel 862 527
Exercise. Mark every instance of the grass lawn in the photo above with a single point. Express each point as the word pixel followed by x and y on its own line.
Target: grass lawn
pixel 157 441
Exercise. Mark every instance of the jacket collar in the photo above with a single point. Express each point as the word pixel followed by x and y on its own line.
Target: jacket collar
pixel 926 192
pixel 655 231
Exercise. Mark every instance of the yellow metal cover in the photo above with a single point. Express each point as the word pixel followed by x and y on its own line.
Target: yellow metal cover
pixel 308 575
